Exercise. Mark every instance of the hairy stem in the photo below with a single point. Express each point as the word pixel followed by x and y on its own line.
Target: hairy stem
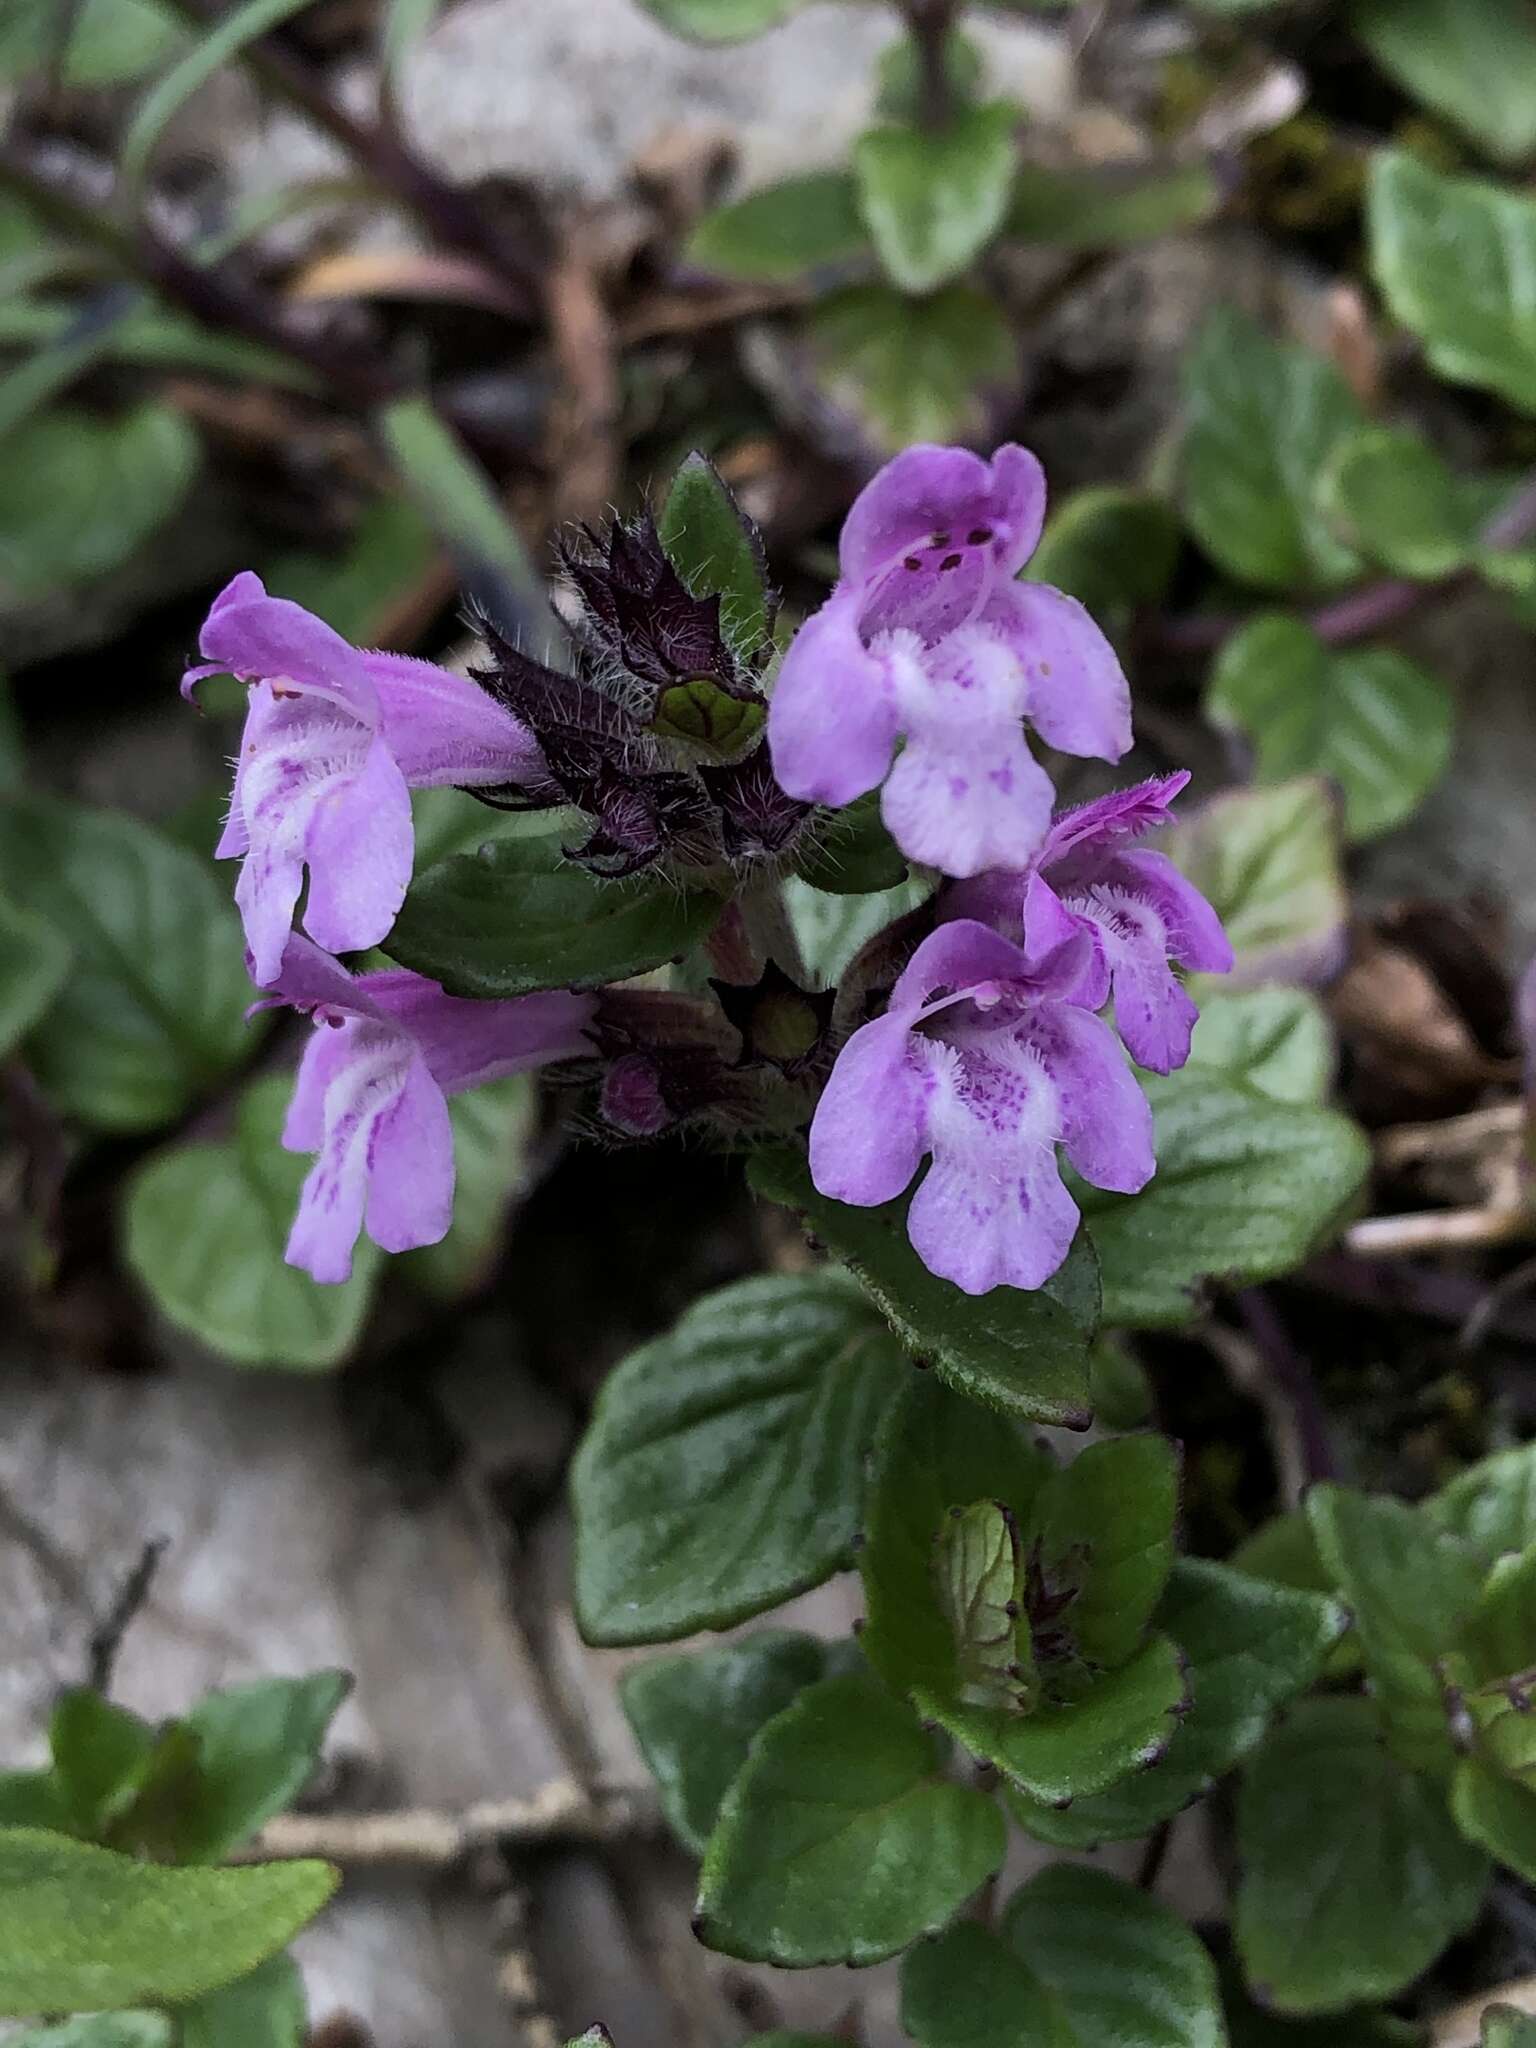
pixel 929 22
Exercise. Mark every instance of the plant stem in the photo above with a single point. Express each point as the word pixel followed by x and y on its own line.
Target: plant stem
pixel 929 22
pixel 212 295
pixel 449 214
pixel 1361 614
pixel 1291 1377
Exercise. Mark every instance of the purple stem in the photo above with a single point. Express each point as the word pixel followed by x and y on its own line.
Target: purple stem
pixel 1373 608
pixel 1292 1376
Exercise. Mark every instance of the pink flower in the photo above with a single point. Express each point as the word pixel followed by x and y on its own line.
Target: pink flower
pixel 986 1061
pixel 334 741
pixel 930 638
pixel 1140 913
pixel 372 1089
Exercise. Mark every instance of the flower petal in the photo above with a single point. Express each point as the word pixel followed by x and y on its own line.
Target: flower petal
pixel 928 490
pixel 363 1086
pixel 411 1171
pixel 1079 699
pixel 959 955
pixel 271 639
pixel 867 1138
pixel 360 846
pixel 1196 938
pixel 991 1210
pixel 965 794
pixel 832 718
pixel 1105 1119
pixel 1114 820
pixel 444 729
pixel 466 1043
pixel 311 980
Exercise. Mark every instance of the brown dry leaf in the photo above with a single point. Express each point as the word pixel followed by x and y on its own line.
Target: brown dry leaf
pixel 433 275
pixel 1411 1053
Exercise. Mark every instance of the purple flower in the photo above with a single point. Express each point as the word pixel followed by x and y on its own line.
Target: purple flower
pixel 372 1089
pixel 334 741
pixel 1140 913
pixel 929 637
pixel 985 1060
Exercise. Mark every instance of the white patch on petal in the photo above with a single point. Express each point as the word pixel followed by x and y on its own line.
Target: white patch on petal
pixel 992 1210
pixel 363 1089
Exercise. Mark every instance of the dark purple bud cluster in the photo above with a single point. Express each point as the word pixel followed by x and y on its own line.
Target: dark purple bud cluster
pixel 657 734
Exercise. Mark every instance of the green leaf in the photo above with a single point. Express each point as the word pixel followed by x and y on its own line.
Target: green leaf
pixel 103 42
pixel 1264 419
pixel 1456 261
pixel 934 1451
pixel 83 1928
pixel 972 1989
pixel 1245 1189
pixel 1115 1504
pixel 717 550
pixel 1493 1503
pixel 720 21
pixel 85 339
pixel 264 2010
pixel 101 2030
pixel 694 1717
pixel 831 928
pixel 782 231
pixel 493 1129
pixel 840 1841
pixel 458 501
pixel 1354 1875
pixel 1472 60
pixel 217 45
pixel 1123 1723
pixel 204 1230
pixel 1278 1040
pixel 1496 1814
pixel 514 917
pixel 1251 2026
pixel 152 1011
pixel 1119 1386
pixel 1108 546
pixel 933 198
pixel 1118 1966
pixel 1251 1648
pixel 723 1470
pixel 257 1748
pixel 1083 206
pixel 34 963
pixel 1366 718
pixel 1026 1354
pixel 913 369
pixel 1268 860
pixel 405 23
pixel 390 548
pixel 517 917
pixel 80 494
pixel 978 1574
pixel 853 854
pixel 1410 1586
pixel 1391 497
pixel 1507 2026
pixel 153 337
pixel 1499 1638
pixel 99 1754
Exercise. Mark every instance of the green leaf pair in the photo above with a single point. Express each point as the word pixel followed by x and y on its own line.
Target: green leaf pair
pixel 1078 1958
pixel 189 1791
pixel 1424 1780
pixel 1012 1602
